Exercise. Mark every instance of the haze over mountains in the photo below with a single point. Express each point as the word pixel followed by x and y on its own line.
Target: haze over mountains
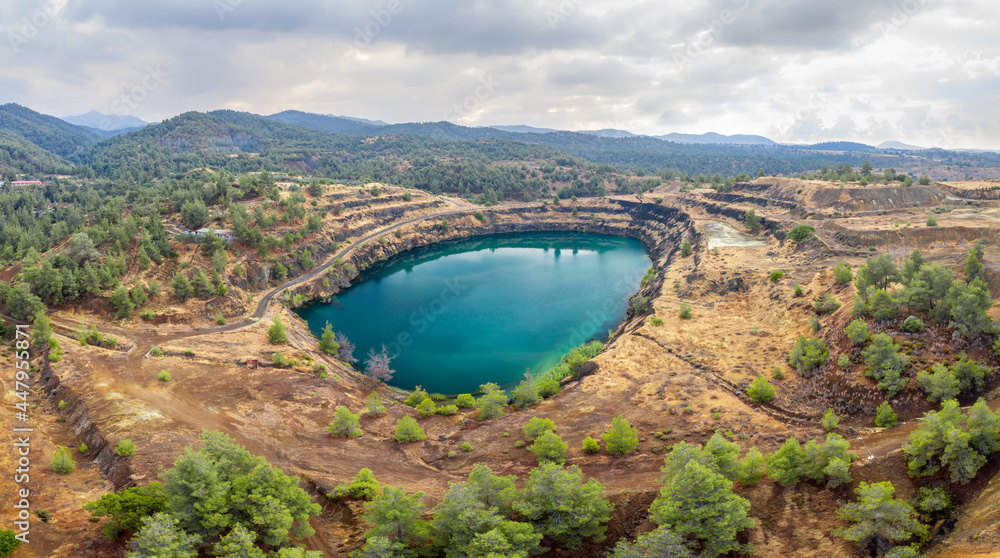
pixel 351 148
pixel 111 124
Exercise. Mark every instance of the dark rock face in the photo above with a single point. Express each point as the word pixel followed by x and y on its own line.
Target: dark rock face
pixel 587 369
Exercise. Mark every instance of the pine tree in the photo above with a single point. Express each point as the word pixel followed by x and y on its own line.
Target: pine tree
pixel 162 536
pixel 203 285
pixel 885 417
pixel 407 430
pixel 536 427
pixel 374 405
pixel 563 507
pixel 238 543
pixel 760 391
pixel 549 448
pixel 877 515
pixel 725 454
pixel 984 429
pixel 783 465
pixel 122 302
pixel 62 461
pixel 181 286
pixel 830 421
pixel 345 423
pixel 326 342
pixel 276 334
pixel 622 438
pixel 662 542
pixel 492 403
pixel 700 502
pixel 394 514
pixel 751 467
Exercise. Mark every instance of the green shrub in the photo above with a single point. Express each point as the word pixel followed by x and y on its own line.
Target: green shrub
pixel 760 391
pixel 654 321
pixel 189 352
pixel 345 424
pixel 843 361
pixel 777 275
pixel 467 447
pixel 548 388
pixel 62 461
pixel 685 311
pixel 426 408
pixel 830 420
pixel 622 438
pixel 465 401
pixel 220 319
pixel 801 232
pixel 932 220
pixel 156 352
pixel 807 355
pixel 912 324
pixel 417 397
pixel 591 445
pixel 885 417
pixel 374 405
pixel 827 304
pixel 164 376
pixel 364 487
pixel 125 448
pixel 536 427
pixel 407 430
pixel 842 273
pixel 857 331
pixel 685 249
pixel 797 290
pixel 276 334
pixel 549 448
pixel 492 403
pixel 83 448
pixel 278 359
pixel 147 315
pixel 62 404
pixel 112 531
pixel 777 373
pixel 447 410
pixel 526 394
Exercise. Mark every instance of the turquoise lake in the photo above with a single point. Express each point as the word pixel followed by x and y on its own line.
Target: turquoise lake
pixel 464 313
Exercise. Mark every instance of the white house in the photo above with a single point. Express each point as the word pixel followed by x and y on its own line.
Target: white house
pixel 224 234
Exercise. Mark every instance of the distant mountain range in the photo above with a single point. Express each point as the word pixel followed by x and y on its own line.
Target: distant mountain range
pixel 899 145
pixel 341 147
pixel 712 137
pixel 105 122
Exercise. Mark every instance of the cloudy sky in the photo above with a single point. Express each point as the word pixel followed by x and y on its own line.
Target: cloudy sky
pixel 923 72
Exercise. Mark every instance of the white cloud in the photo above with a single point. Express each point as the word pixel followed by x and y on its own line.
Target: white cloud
pixel 858 70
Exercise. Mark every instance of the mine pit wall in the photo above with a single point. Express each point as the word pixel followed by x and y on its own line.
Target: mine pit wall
pixel 978 194
pixel 77 415
pixel 871 198
pixel 768 226
pixel 913 237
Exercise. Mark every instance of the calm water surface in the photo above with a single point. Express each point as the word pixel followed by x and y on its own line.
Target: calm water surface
pixel 484 310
